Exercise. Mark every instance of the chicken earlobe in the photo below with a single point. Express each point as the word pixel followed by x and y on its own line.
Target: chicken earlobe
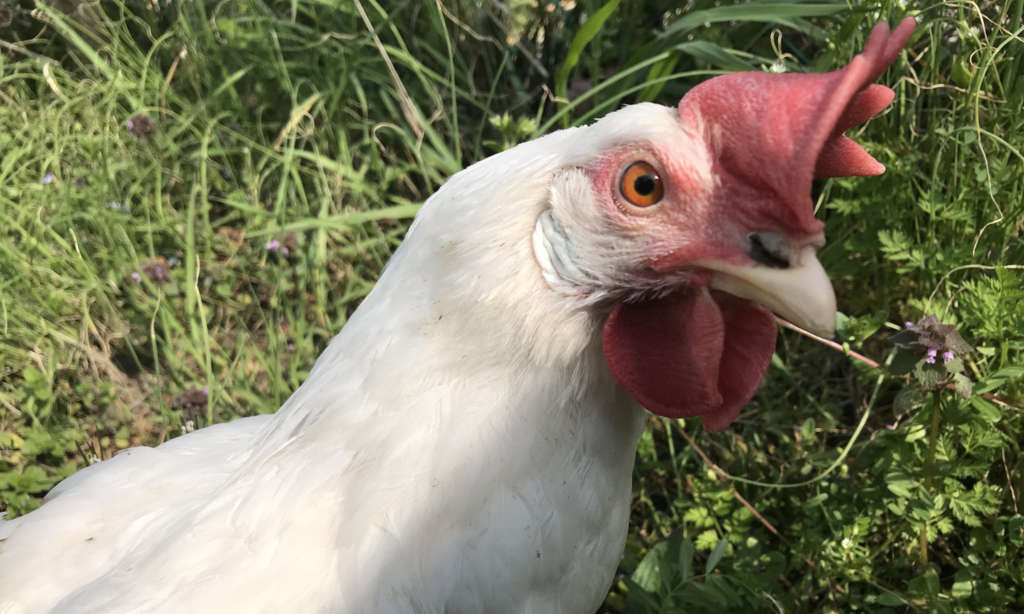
pixel 691 353
pixel 554 256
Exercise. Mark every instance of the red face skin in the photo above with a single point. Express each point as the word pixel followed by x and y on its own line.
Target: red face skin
pixel 756 141
pixel 694 352
pixel 697 219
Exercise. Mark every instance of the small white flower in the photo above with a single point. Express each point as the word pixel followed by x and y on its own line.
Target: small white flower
pixel 847 543
pixel 778 66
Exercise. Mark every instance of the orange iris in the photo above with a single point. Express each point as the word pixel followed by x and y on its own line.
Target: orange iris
pixel 641 185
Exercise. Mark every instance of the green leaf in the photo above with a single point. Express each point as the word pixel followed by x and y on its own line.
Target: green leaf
pixel 807 431
pixel 961 74
pixel 707 540
pixel 1015 529
pixel 963 585
pixel 999 378
pixel 815 500
pixel 716 556
pixel 889 598
pixel 895 244
pixel 926 584
pixel 668 559
pixel 916 432
pixel 686 551
pixel 586 33
pixel 715 594
pixel 660 69
pixel 901 484
pixel 969 506
pixel 944 525
pixel 648 573
pixel 639 598
pixel 697 516
pixel 38 441
pixel 929 377
pixel 955 365
pixel 962 385
pixel 713 54
pixel 31 480
pixel 11 440
pixel 906 400
pixel 765 12
pixel 904 361
pixel 987 411
pixel 843 323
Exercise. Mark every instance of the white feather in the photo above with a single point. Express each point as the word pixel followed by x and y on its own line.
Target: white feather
pixel 460 446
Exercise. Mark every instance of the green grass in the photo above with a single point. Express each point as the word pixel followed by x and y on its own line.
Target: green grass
pixel 841 488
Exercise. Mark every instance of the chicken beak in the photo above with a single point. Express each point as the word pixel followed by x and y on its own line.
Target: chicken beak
pixel 800 293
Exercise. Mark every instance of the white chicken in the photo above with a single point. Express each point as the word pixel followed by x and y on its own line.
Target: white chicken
pixel 466 442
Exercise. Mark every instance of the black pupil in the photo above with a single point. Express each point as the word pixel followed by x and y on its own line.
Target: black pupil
pixel 645 184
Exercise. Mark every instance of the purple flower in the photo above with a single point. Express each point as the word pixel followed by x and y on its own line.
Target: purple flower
pixel 137 277
pixel 932 352
pixel 192 402
pixel 276 247
pixel 140 126
pixel 157 270
pixel 909 324
pixel 947 356
pixel 48 178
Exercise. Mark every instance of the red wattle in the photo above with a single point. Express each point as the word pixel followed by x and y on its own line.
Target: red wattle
pixel 750 334
pixel 690 354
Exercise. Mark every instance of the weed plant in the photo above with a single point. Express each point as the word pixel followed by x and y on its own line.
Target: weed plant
pixel 194 196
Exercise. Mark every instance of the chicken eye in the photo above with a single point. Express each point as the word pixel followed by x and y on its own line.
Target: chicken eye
pixel 641 185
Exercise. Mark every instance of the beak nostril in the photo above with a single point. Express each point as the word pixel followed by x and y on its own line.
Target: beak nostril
pixel 769 249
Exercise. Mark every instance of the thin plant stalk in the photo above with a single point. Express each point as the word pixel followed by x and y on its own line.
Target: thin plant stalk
pixel 929 469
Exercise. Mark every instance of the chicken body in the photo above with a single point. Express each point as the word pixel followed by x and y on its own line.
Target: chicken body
pixel 466 442
pixel 459 447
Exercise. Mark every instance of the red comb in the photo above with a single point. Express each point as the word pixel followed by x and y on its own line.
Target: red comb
pixel 781 131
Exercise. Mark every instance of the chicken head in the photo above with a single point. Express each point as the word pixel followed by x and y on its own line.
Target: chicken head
pixel 705 226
